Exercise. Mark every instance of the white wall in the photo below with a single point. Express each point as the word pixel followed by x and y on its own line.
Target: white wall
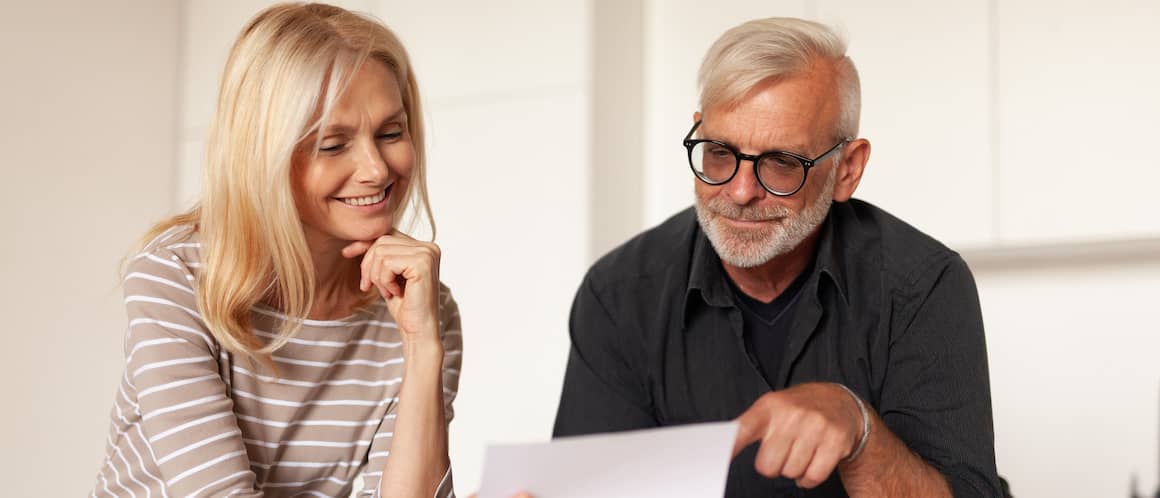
pixel 617 123
pixel 926 92
pixel 89 104
pixel 507 90
pixel 1075 379
pixel 1077 109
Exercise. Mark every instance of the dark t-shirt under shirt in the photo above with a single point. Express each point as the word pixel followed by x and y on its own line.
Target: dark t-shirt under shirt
pixel 766 325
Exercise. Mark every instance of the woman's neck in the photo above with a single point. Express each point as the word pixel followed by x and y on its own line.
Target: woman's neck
pixel 336 292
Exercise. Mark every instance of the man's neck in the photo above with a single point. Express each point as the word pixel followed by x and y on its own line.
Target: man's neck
pixel 768 280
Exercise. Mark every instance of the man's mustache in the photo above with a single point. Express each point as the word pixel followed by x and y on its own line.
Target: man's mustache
pixel 722 207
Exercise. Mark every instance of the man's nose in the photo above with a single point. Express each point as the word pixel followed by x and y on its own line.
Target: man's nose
pixel 744 187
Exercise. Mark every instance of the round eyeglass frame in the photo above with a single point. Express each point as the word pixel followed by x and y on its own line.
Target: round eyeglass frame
pixel 807 163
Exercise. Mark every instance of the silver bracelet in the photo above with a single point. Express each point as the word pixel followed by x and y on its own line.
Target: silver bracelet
pixel 865 424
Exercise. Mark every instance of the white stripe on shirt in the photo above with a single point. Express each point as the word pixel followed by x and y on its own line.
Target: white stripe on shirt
pixel 182 406
pixel 196 445
pixel 327 364
pixel 187 425
pixel 162 281
pixel 175 384
pixel 169 363
pixel 328 402
pixel 302 383
pixel 204 466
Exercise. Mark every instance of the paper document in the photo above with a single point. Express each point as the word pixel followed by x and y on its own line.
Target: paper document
pixel 688 460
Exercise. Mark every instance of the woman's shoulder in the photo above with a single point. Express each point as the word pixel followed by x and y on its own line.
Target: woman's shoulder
pixel 183 241
pixel 161 297
pixel 447 302
pixel 448 313
pixel 170 260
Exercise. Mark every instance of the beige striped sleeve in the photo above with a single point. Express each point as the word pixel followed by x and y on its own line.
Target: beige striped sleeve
pixel 452 330
pixel 452 338
pixel 178 392
pixel 452 362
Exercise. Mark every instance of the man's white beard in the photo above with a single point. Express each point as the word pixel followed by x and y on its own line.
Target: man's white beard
pixel 747 248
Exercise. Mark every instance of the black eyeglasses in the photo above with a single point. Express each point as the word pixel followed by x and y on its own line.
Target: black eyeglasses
pixel 779 173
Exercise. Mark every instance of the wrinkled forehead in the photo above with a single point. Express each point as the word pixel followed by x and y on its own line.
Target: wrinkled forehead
pixel 355 90
pixel 789 113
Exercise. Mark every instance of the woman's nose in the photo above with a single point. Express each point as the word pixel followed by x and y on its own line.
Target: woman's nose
pixel 372 166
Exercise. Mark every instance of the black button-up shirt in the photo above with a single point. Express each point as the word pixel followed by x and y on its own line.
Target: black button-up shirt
pixel 889 312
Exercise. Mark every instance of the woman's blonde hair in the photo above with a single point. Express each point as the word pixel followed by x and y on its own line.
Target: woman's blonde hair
pixel 285 71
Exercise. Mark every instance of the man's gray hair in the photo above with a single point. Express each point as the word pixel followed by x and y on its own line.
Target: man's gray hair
pixel 778 47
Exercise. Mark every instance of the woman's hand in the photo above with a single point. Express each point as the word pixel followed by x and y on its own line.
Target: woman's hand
pixel 406 272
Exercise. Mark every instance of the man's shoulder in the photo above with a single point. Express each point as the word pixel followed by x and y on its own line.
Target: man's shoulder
pixel 653 252
pixel 905 252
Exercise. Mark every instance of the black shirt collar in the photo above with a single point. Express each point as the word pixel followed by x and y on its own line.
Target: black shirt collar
pixel 707 276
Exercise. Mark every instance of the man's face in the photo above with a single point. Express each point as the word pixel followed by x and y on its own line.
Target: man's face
pixel 747 225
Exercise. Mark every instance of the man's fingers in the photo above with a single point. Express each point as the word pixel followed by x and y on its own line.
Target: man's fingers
pixel 800 455
pixel 750 428
pixel 771 456
pixel 821 466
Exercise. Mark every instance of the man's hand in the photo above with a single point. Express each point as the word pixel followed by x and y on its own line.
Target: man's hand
pixel 804 431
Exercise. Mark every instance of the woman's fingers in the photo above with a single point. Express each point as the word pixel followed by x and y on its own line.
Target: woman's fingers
pixel 356 248
pixel 406 272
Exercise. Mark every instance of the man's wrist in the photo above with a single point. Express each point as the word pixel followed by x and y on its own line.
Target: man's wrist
pixel 860 443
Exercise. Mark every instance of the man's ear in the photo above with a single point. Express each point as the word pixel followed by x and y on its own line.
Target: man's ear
pixel 855 155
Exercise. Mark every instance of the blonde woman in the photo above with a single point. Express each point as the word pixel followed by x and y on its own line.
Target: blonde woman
pixel 284 336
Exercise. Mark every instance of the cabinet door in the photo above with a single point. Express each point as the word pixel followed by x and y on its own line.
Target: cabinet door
pixel 1079 100
pixel 926 109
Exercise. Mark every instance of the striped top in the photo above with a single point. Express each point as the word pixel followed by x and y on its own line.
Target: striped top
pixel 189 421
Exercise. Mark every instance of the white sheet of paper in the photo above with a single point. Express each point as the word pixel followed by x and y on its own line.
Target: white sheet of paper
pixel 688 460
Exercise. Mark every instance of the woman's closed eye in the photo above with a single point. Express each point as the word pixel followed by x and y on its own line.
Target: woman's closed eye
pixel 337 146
pixel 332 148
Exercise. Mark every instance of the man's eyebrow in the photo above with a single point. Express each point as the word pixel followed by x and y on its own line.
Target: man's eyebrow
pixel 795 148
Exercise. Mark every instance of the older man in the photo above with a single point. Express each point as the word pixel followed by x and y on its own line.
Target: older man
pixel 848 344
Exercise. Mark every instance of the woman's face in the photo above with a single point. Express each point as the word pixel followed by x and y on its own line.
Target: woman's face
pixel 350 188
